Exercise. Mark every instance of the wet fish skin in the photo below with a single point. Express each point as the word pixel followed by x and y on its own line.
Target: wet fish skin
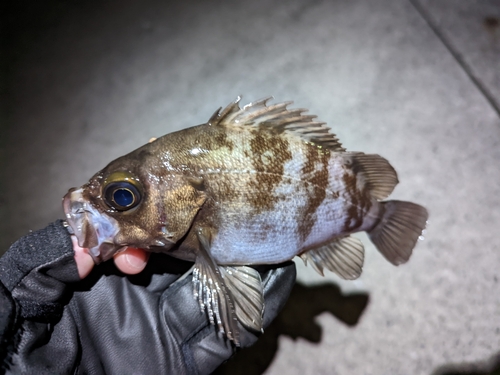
pixel 257 185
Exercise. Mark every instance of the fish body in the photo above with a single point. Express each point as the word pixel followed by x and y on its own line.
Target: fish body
pixel 254 185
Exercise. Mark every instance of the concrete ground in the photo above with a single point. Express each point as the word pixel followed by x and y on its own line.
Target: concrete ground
pixel 416 81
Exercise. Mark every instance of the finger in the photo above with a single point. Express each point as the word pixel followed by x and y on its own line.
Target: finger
pixel 131 261
pixel 84 261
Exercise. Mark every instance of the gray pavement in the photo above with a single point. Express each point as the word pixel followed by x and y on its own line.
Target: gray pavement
pixel 91 81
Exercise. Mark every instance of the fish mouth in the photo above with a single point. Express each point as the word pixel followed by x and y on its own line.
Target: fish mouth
pixel 93 229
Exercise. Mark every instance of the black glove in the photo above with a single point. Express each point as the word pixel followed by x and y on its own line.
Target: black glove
pixel 50 322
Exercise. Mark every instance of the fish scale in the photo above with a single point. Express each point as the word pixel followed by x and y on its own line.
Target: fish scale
pixel 254 185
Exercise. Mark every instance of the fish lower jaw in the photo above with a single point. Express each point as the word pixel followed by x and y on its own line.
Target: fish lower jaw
pixel 105 251
pixel 93 229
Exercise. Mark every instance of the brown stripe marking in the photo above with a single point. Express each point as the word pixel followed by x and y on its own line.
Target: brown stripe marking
pixel 359 199
pixel 318 179
pixel 270 152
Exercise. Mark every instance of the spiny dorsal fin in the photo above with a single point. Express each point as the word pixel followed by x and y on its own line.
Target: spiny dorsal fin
pixel 280 119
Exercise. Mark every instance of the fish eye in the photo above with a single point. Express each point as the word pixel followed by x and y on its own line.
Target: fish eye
pixel 122 192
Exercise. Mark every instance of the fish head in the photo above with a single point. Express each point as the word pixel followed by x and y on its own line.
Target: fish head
pixel 121 207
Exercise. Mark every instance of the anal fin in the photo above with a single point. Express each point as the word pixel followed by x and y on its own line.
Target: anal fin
pixel 343 256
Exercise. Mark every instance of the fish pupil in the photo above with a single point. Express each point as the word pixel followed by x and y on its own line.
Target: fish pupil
pixel 121 192
pixel 123 197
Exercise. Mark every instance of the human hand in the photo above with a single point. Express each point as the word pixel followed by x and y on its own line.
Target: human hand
pixel 151 323
pixel 113 323
pixel 131 261
pixel 194 333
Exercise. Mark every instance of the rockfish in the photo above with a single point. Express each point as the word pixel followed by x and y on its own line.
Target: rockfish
pixel 254 185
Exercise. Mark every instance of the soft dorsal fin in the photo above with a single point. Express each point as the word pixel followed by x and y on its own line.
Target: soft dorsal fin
pixel 375 172
pixel 280 119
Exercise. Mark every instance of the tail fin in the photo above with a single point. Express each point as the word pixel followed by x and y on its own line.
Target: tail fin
pixel 399 228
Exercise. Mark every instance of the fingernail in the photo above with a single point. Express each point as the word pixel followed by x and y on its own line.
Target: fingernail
pixel 134 261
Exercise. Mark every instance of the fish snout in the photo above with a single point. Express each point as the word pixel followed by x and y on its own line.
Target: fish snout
pixel 93 229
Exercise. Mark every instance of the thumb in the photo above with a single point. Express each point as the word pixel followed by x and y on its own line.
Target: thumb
pixel 131 261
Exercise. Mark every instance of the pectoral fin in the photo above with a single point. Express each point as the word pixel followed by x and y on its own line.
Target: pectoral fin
pixel 343 256
pixel 211 290
pixel 228 294
pixel 245 285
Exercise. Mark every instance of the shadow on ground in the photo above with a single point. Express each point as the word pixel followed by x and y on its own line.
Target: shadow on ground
pixel 488 367
pixel 297 320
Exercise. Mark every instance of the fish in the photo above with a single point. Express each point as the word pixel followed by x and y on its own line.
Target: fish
pixel 255 185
